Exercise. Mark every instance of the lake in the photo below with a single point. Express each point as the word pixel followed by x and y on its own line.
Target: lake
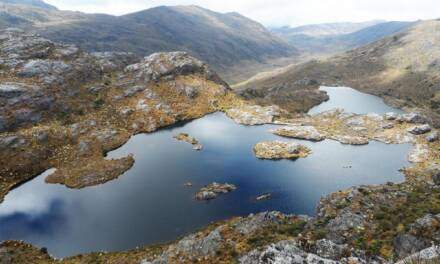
pixel 150 204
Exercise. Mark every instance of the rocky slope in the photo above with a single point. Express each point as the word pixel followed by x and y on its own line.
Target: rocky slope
pixel 403 69
pixel 222 40
pixel 65 108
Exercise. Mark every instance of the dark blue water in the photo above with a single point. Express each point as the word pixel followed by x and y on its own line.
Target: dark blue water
pixel 352 101
pixel 149 203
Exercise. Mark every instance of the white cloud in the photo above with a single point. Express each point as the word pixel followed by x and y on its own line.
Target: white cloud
pixel 278 12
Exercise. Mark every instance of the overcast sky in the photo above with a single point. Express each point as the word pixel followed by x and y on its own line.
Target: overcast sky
pixel 278 12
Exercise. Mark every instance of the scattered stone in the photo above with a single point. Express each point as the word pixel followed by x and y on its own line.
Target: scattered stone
pixel 432 137
pixel 375 117
pixel 213 190
pixel 350 140
pixel 254 115
pixel 300 132
pixel 188 139
pixel 266 196
pixel 280 150
pixel 419 130
pixel 43 68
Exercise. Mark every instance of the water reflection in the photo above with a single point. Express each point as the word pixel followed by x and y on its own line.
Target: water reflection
pixel 149 204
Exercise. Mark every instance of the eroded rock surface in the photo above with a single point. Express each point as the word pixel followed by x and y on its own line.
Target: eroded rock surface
pixel 300 132
pixel 190 140
pixel 254 115
pixel 280 150
pixel 213 190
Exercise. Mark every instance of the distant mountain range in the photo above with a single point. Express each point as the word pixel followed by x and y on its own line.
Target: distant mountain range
pixel 327 29
pixel 221 40
pixel 338 37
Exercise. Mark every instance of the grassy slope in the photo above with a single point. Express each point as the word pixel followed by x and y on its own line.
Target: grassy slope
pixel 404 69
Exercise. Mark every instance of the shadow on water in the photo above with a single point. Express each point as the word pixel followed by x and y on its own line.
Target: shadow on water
pixel 149 203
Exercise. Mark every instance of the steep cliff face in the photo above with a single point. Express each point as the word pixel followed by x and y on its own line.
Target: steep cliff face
pixel 63 107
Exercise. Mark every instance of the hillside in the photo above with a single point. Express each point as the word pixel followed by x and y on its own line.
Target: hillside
pixel 383 68
pixel 328 43
pixel 225 41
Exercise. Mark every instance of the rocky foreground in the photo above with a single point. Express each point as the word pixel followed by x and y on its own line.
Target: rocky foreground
pixel 64 108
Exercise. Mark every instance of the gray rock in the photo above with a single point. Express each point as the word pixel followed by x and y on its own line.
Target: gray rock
pixel 432 137
pixel 328 249
pixel 43 68
pixel 191 92
pixel 133 90
pixel 11 142
pixel 344 222
pixel 83 147
pixel 391 116
pixel 26 116
pixel 159 65
pixel 427 254
pixel 213 190
pixel 253 222
pixel 419 130
pixel 414 118
pixel 10 90
pixel 406 244
pixel 284 252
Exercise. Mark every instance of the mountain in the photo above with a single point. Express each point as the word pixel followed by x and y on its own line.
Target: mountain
pixel 403 68
pixel 326 43
pixel 327 29
pixel 225 41
pixel 33 3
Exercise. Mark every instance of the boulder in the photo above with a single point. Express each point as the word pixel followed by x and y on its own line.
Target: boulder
pixel 419 130
pixel 406 244
pixel 162 64
pixel 413 118
pixel 391 116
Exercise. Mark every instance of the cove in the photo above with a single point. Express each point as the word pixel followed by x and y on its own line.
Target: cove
pixel 352 101
pixel 150 204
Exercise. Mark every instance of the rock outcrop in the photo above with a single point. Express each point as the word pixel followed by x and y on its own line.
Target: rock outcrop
pixel 299 132
pixel 254 115
pixel 213 190
pixel 280 150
